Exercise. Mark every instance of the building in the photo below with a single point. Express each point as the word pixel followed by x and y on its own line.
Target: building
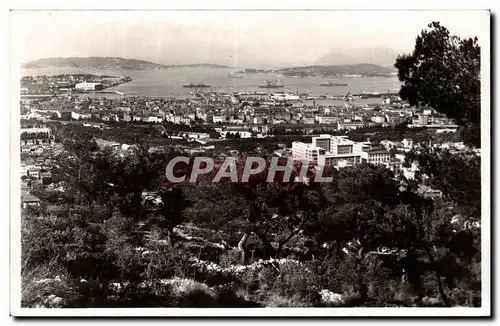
pixel 339 160
pixel 29 200
pixel 422 120
pixel 395 166
pixel 88 87
pixel 218 119
pixel 427 192
pixel 127 117
pixel 308 120
pixel 35 129
pixel 303 151
pixel 323 141
pixel 388 144
pixel 409 173
pixel 378 119
pixel 327 119
pixel 334 144
pixel 196 135
pixel 234 131
pixel 284 97
pixel 349 125
pixel 362 146
pixel 80 116
pixel 328 150
pixel 152 119
pixel 407 143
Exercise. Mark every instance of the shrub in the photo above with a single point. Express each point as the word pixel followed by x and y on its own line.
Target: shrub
pixel 335 274
pixel 297 280
pixel 163 262
pixel 278 301
pixel 47 285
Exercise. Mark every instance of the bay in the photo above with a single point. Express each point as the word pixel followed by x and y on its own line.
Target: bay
pixel 168 82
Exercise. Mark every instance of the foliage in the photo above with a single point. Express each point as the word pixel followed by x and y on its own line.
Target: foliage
pixel 365 239
pixel 458 175
pixel 443 71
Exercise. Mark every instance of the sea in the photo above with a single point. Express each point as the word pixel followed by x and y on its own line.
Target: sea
pixel 169 82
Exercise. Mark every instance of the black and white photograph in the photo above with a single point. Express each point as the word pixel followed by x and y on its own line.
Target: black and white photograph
pixel 254 162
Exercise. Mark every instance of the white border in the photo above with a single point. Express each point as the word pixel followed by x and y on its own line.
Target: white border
pixel 15 203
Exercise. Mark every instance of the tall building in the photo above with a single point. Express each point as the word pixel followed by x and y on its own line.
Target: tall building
pixel 302 151
pixel 377 156
pixel 328 150
pixel 339 160
pixel 334 144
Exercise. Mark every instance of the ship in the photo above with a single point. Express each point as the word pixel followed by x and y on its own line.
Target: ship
pixel 200 85
pixel 330 83
pixel 234 76
pixel 272 84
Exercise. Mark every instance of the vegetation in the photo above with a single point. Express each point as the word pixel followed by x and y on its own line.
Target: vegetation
pixel 443 71
pixel 106 63
pixel 121 235
pixel 335 70
pixel 112 231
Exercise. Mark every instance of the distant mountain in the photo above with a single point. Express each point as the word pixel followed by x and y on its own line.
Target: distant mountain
pixel 107 63
pixel 30 65
pixel 349 56
pixel 364 69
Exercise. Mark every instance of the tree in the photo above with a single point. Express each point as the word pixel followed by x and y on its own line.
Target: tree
pixel 281 211
pixel 443 72
pixel 83 167
pixel 170 212
pixel 356 200
pixel 457 175
pixel 275 212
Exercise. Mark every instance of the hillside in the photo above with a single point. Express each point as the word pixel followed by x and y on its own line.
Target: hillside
pixel 352 55
pixel 364 69
pixel 106 63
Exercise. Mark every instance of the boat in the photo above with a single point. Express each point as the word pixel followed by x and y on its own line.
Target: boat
pixel 272 84
pixel 200 85
pixel 234 76
pixel 330 83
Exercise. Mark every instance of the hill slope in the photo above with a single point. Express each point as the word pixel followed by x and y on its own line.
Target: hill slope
pixel 106 63
pixel 364 69
pixel 348 56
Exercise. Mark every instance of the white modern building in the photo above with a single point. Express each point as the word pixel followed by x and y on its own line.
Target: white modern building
pixel 378 119
pixel 303 151
pixel 377 156
pixel 284 97
pixel 328 150
pixel 334 144
pixel 88 87
pixel 363 146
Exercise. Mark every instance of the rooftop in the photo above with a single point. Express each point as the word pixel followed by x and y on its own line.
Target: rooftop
pixel 29 199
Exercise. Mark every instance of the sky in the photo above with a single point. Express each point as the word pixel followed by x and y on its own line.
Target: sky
pixel 257 39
